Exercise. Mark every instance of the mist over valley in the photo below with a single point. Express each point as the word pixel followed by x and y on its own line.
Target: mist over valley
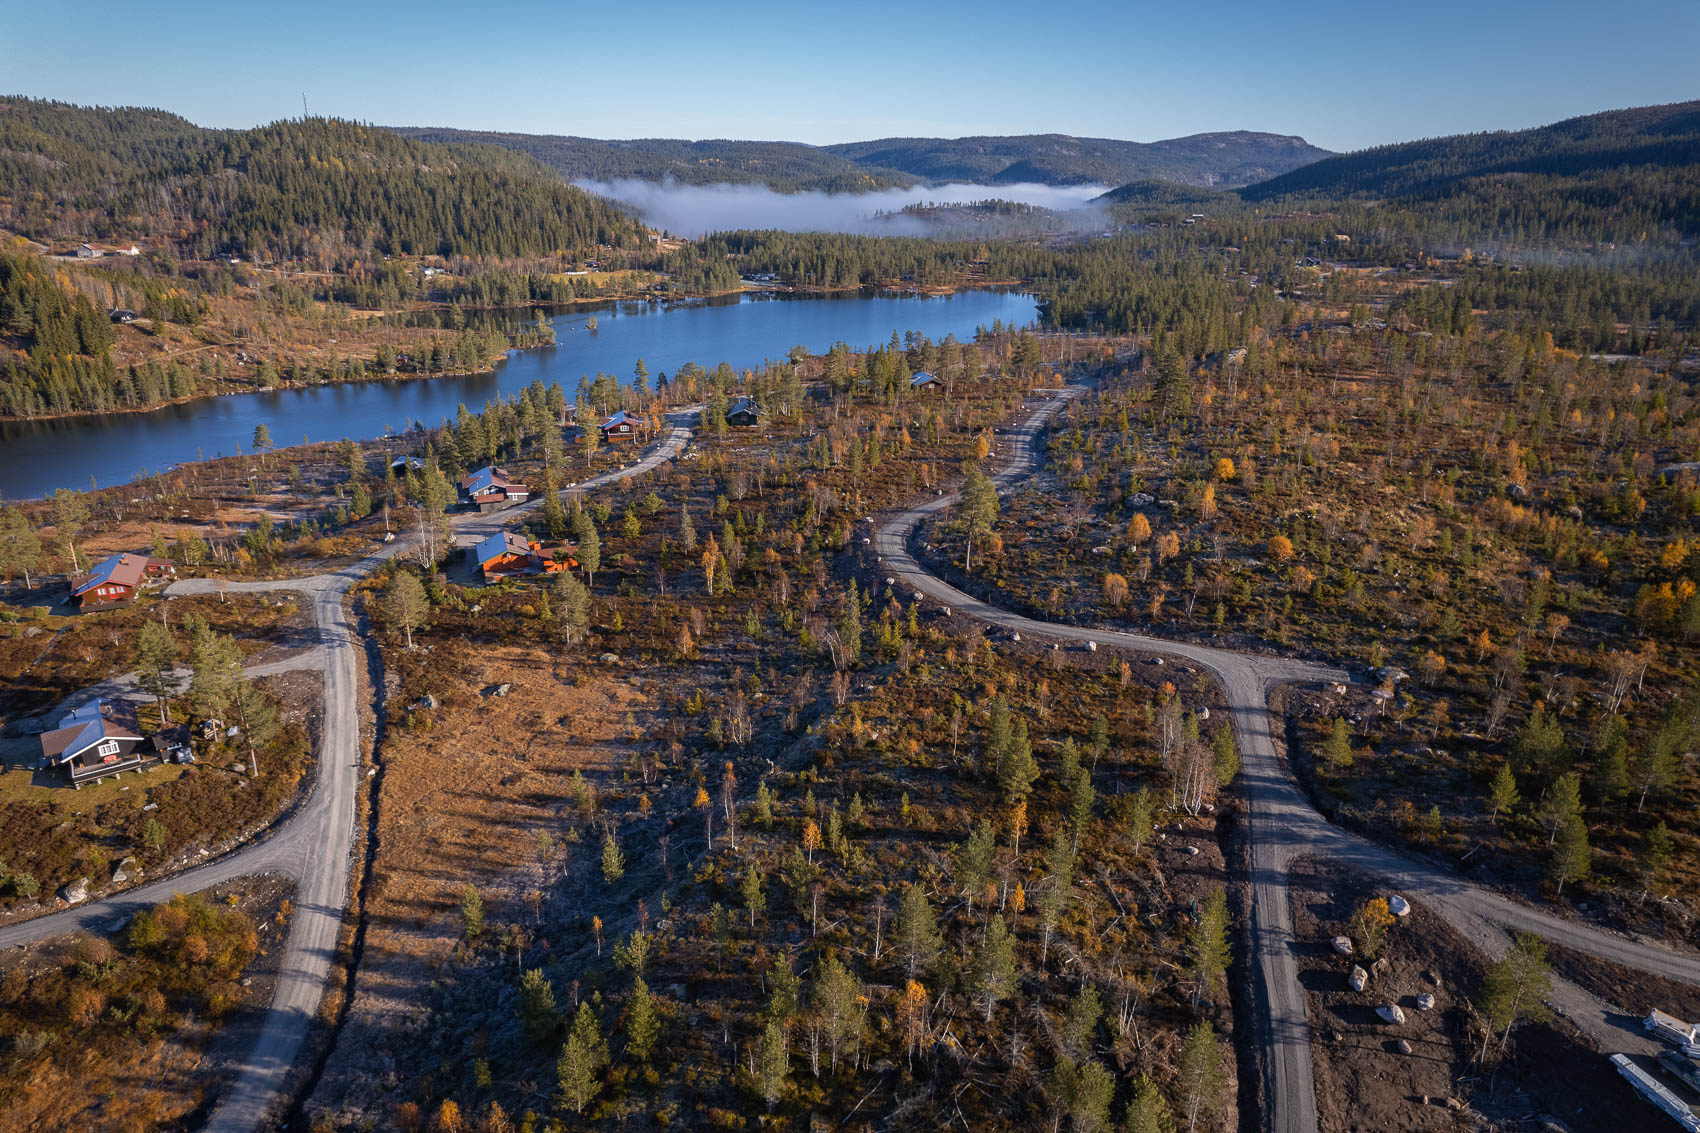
pixel 696 210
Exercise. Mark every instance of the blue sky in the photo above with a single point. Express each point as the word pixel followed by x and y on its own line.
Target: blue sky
pixel 1344 75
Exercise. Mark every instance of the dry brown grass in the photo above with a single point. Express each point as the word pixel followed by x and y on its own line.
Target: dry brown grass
pixel 462 801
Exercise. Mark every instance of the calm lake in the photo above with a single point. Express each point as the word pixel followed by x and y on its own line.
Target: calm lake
pixel 38 456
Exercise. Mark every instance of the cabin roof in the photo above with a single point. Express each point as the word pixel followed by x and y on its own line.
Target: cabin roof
pixel 499 544
pixel 744 405
pixel 620 417
pixel 124 569
pixel 922 378
pixel 80 730
pixel 490 480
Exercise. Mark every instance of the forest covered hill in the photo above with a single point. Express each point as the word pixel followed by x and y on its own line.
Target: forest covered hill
pixel 72 173
pixel 1235 158
pixel 1620 176
pixel 1660 136
pixel 1232 158
pixel 785 166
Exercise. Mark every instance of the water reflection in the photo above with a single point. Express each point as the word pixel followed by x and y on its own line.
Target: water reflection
pixel 38 456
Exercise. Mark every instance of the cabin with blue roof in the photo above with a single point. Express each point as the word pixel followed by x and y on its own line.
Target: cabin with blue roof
pixel 103 737
pixel 490 489
pixel 509 554
pixel 744 414
pixel 620 427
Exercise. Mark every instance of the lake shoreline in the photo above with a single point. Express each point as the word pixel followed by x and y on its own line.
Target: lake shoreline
pixel 747 330
pixel 931 292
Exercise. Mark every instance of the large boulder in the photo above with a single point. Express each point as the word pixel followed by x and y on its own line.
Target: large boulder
pixel 1359 979
pixel 1425 1002
pixel 76 892
pixel 1391 1013
pixel 1343 945
pixel 1398 906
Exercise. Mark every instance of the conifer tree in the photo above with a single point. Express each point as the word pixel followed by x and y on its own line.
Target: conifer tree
pixel 1337 751
pixel 537 1005
pixel 613 862
pixel 1207 946
pixel 1656 849
pixel 973 859
pixel 1563 802
pixel 156 665
pixel 1202 1078
pixel 773 1063
pixel 642 1025
pixel 976 511
pixel 1019 770
pixel 1502 792
pixel 687 530
pixel 754 893
pixel 589 550
pixel 918 939
pixel 993 973
pixel 1515 988
pixel 1571 855
pixel 583 1056
pixel 1148 1111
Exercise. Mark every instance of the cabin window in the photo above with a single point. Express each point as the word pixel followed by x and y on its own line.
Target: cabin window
pixel 107 749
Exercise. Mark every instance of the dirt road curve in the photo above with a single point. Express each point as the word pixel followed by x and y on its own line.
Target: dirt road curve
pixel 1283 826
pixel 314 846
pixel 476 528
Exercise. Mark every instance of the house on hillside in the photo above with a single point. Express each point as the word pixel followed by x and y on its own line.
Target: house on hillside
pixel 744 414
pixel 491 489
pixel 115 581
pixel 89 252
pixel 508 554
pixel 121 315
pixel 930 383
pixel 402 465
pixel 103 737
pixel 620 427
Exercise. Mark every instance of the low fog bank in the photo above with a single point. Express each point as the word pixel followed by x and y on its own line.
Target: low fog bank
pixel 696 210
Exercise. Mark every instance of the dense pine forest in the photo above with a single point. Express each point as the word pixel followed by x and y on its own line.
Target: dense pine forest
pixel 282 191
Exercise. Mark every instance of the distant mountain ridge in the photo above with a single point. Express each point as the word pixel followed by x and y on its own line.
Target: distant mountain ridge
pixel 786 166
pixel 1661 136
pixel 1223 159
pixel 1226 159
